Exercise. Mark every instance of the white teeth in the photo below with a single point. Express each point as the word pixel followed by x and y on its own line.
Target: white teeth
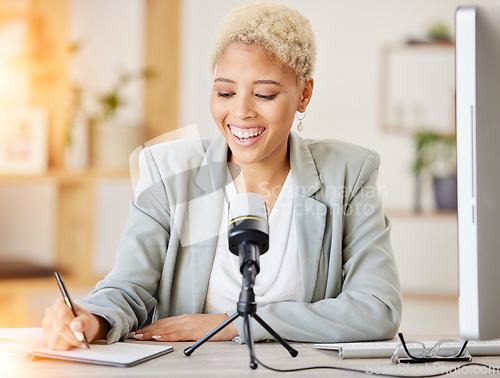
pixel 244 134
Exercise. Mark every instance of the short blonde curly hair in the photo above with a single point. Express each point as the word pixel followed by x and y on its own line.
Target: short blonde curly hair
pixel 282 31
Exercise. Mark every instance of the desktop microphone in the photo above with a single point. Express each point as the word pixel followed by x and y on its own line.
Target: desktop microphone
pixel 248 230
pixel 248 238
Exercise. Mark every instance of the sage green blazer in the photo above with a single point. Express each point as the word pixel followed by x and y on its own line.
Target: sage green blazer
pixel 350 286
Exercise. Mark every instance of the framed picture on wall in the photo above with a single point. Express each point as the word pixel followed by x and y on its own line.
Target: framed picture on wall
pixel 23 140
pixel 417 89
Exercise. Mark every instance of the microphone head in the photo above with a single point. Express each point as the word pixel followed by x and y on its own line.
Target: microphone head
pixel 247 205
pixel 248 222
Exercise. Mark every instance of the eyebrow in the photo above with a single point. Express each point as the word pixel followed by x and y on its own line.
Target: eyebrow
pixel 272 82
pixel 224 80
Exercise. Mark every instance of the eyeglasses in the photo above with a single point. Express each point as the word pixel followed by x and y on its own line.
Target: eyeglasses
pixel 417 352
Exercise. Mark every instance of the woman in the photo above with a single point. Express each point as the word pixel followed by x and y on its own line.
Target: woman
pixel 329 274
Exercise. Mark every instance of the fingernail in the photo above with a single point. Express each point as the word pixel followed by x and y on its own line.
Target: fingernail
pixel 138 336
pixel 78 335
pixel 156 337
pixel 131 334
pixel 75 326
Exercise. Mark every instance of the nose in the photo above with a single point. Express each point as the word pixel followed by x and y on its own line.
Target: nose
pixel 243 107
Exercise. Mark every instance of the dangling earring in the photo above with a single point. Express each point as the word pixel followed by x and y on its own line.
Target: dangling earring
pixel 299 125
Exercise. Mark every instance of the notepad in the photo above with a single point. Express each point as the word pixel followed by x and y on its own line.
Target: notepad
pixel 29 342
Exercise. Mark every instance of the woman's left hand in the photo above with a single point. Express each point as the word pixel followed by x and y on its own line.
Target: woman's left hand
pixel 187 327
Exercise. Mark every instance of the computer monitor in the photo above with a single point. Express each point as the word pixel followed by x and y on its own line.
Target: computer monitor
pixel 478 169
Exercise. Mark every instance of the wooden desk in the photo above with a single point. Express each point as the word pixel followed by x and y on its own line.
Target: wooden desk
pixel 227 359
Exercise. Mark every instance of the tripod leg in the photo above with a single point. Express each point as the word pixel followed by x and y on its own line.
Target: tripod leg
pixel 193 347
pixel 247 334
pixel 287 346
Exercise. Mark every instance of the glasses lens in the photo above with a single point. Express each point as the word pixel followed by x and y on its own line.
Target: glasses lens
pixel 416 349
pixel 447 348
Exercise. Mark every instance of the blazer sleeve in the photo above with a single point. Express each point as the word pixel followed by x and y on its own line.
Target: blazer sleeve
pixel 368 306
pixel 126 296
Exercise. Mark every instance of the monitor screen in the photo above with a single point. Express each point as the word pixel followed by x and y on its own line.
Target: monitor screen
pixel 478 169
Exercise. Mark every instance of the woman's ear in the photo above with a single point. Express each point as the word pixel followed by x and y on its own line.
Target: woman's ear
pixel 305 95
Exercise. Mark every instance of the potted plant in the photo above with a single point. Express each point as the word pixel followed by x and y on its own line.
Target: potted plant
pixel 111 101
pixel 111 140
pixel 435 154
pixel 439 32
pixel 98 134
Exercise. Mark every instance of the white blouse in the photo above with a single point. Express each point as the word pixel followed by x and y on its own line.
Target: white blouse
pixel 279 278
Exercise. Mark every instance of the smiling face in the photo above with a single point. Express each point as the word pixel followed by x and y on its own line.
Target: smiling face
pixel 253 101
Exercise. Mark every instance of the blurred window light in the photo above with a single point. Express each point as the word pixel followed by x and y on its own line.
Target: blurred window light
pixel 15 88
pixel 13 38
pixel 14 81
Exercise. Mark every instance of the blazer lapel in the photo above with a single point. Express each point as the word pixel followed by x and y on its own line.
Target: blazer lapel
pixel 205 217
pixel 309 214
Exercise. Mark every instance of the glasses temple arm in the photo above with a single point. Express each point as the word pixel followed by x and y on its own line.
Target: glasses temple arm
pixel 463 348
pixel 403 343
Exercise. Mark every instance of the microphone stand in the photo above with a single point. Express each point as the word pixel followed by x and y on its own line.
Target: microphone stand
pixel 246 307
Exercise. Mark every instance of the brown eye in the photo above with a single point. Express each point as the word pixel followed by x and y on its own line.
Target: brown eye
pixel 225 94
pixel 267 97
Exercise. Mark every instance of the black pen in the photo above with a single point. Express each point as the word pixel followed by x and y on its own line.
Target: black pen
pixel 68 301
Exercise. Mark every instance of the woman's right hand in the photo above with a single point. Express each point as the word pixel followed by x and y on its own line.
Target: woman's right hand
pixel 62 330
